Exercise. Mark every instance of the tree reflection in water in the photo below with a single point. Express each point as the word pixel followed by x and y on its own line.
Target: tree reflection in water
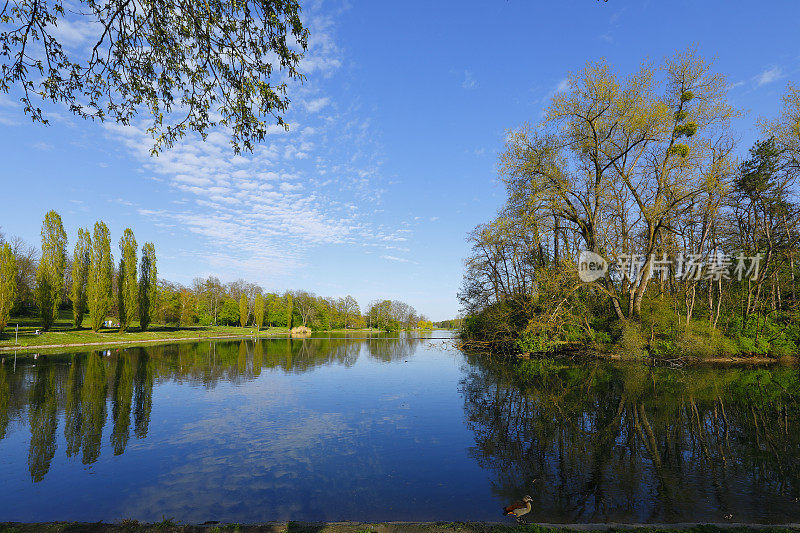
pixel 77 389
pixel 615 442
pixel 43 418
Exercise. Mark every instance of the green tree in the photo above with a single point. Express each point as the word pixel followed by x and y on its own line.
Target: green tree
pixel 618 157
pixel 80 275
pixel 243 310
pixel 275 312
pixel 44 298
pixel 50 274
pixel 148 285
pixel 786 128
pixel 127 286
pixel 289 310
pixel 8 284
pixel 98 287
pixel 229 312
pixel 121 293
pixel 258 311
pixel 188 308
pixel 190 66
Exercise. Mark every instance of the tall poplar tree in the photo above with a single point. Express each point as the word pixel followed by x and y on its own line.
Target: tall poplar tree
pixel 148 278
pixel 98 287
pixel 128 287
pixel 44 297
pixel 121 310
pixel 50 274
pixel 80 275
pixel 8 284
pixel 289 310
pixel 244 310
pixel 258 311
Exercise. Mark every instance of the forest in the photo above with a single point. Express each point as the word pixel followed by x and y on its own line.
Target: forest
pixel 645 172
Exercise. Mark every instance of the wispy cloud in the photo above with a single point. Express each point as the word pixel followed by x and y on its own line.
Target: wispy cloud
pixel 396 259
pixel 560 87
pixel 260 214
pixel 469 81
pixel 77 31
pixel 769 75
pixel 316 105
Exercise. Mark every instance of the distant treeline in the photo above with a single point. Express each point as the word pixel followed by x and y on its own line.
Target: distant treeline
pixel 449 324
pixel 210 302
pixel 88 283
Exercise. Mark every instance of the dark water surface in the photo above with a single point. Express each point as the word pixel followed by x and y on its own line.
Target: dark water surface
pixel 345 429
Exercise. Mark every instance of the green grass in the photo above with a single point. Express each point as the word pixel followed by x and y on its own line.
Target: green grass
pixel 63 334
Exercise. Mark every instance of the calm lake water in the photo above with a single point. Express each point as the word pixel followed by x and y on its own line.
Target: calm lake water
pixel 350 429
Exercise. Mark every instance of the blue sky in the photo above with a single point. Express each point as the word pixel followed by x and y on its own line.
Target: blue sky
pixel 391 158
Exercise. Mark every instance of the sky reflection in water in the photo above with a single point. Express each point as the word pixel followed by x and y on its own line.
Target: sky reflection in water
pixel 388 430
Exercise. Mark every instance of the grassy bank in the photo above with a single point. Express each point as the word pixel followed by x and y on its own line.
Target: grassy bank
pixel 64 335
pixel 384 527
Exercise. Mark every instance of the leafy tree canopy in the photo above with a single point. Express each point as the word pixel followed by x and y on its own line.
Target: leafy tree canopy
pixel 189 65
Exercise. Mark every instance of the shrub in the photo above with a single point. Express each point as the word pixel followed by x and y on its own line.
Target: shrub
pixel 300 331
pixel 631 343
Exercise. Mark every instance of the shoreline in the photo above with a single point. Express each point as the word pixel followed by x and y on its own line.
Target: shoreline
pixel 389 527
pixel 165 340
pixel 721 360
pixel 33 348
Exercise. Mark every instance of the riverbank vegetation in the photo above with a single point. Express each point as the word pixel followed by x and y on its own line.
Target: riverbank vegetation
pixel 61 298
pixel 696 249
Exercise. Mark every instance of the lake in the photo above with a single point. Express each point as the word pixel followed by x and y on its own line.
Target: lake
pixel 390 429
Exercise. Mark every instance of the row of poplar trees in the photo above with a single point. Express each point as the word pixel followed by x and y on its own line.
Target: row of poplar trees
pixel 92 275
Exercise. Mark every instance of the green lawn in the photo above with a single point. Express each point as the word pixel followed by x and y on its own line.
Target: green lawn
pixel 63 333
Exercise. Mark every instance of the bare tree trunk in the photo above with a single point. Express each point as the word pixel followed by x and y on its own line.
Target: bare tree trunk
pixel 555 239
pixel 644 279
pixel 710 303
pixel 719 301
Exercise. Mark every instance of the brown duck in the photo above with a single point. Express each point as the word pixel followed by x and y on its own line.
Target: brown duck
pixel 517 509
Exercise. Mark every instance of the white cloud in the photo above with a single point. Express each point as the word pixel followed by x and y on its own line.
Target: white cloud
pixel 561 87
pixel 769 75
pixel 314 106
pixel 77 32
pixel 469 81
pixel 395 258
